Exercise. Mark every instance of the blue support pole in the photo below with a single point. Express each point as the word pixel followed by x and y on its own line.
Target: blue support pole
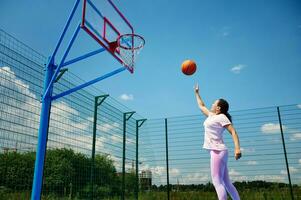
pixel 89 83
pixel 43 134
pixel 62 61
pixel 65 28
pixel 83 57
pixel 52 72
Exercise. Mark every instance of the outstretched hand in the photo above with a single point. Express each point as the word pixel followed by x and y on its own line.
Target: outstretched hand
pixel 196 88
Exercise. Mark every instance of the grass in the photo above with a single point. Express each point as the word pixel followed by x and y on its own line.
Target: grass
pixel 245 195
pixel 260 194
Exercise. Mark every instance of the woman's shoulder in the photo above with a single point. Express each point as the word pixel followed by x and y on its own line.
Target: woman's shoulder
pixel 223 119
pixel 211 114
pixel 221 115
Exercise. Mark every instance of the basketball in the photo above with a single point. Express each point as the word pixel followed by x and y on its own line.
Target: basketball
pixel 188 67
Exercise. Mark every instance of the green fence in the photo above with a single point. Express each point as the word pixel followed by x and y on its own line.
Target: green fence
pixel 171 162
pixel 260 174
pixel 69 161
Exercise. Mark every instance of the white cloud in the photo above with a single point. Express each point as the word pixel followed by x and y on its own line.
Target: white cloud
pixel 237 68
pixel 127 97
pixel 174 172
pixel 116 139
pixel 157 173
pixel 293 170
pixel 66 127
pixel 61 107
pixel 237 176
pixel 119 139
pixel 195 178
pixel 129 164
pixel 271 128
pixel 107 127
pixel 160 170
pixel 273 178
pixel 26 100
pixel 144 166
pixel 10 80
pixel 240 178
pixel 295 136
pixel 82 141
pixel 111 129
pixel 252 162
pixel 247 150
pixel 64 116
pixel 232 172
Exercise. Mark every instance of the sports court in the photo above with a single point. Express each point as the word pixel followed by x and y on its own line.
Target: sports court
pixel 97 98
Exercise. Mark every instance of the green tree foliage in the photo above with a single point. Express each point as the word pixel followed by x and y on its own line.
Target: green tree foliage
pixel 16 170
pixel 59 170
pixel 130 182
pixel 66 173
pixel 106 176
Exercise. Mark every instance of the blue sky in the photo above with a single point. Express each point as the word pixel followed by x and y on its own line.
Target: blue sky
pixel 247 52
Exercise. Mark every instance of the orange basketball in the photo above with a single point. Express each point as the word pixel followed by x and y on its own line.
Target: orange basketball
pixel 188 67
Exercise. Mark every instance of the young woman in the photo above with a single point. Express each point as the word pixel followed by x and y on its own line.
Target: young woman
pixel 218 119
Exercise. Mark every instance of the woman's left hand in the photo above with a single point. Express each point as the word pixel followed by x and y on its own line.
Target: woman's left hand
pixel 237 154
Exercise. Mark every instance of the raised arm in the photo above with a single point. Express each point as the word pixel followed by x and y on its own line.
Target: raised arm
pixel 200 102
pixel 232 131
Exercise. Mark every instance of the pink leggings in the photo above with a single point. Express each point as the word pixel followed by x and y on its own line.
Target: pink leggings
pixel 220 175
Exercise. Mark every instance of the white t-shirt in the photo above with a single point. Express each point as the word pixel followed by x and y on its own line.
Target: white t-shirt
pixel 214 127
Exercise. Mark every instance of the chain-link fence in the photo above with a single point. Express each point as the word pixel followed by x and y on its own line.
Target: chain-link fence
pixel 94 155
pixel 70 168
pixel 261 173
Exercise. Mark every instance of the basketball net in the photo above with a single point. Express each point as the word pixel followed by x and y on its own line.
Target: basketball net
pixel 129 47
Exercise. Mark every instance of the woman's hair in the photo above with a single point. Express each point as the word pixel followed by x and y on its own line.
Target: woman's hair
pixel 223 104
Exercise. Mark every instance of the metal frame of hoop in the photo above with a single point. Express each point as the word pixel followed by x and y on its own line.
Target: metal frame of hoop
pixel 119 44
pixel 129 49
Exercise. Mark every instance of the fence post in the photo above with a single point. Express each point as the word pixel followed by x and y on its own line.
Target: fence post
pixel 126 117
pixel 285 154
pixel 139 123
pixel 167 166
pixel 96 104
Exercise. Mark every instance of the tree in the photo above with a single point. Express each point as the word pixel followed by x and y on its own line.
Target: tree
pixel 59 170
pixel 16 170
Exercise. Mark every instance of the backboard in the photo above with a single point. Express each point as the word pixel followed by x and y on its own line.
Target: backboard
pixel 105 23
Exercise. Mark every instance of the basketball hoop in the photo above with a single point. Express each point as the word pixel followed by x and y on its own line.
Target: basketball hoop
pixel 129 47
